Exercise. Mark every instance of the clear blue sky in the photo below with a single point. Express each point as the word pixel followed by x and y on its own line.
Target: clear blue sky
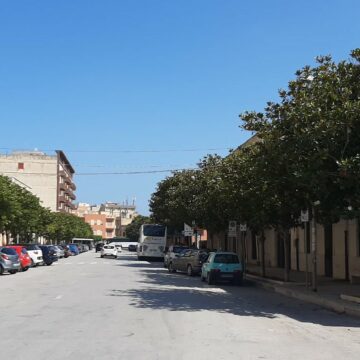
pixel 112 75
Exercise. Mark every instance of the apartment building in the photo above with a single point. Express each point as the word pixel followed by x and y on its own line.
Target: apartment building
pixel 107 220
pixel 49 177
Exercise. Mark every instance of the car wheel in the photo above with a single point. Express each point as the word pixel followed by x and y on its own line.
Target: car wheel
pixel 210 279
pixel 12 272
pixel 26 268
pixel 190 270
pixel 32 263
pixel 101 256
pixel 1 270
pixel 48 263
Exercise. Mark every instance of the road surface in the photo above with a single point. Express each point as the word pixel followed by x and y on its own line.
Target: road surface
pixel 85 307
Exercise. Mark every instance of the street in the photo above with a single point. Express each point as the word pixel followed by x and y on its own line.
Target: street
pixel 85 307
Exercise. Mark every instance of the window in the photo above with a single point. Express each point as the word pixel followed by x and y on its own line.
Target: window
pixel 21 166
pixel 99 222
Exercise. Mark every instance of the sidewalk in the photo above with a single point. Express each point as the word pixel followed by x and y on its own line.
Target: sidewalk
pixel 335 295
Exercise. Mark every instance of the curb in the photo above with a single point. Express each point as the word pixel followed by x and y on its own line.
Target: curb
pixel 339 307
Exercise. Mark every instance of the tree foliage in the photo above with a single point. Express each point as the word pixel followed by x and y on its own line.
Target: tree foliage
pixel 308 150
pixel 132 230
pixel 21 214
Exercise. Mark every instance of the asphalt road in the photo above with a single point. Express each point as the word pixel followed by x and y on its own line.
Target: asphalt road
pixel 86 307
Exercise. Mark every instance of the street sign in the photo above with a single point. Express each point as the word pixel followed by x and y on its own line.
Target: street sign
pixel 243 227
pixel 232 228
pixel 304 216
pixel 188 231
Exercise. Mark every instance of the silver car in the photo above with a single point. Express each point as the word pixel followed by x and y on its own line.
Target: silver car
pixel 9 261
pixel 60 253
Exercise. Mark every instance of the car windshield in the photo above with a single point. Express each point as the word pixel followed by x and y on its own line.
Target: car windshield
pixel 154 230
pixel 8 251
pixel 226 259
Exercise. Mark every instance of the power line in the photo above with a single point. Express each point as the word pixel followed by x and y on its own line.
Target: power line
pixel 130 151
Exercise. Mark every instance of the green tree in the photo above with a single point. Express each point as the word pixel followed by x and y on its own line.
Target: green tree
pixel 132 230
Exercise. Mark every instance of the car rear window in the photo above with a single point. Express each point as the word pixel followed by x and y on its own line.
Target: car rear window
pixel 226 259
pixel 108 247
pixel 24 251
pixel 8 251
pixel 178 249
pixel 31 247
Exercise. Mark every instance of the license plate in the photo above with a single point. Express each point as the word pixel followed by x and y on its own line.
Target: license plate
pixel 17 264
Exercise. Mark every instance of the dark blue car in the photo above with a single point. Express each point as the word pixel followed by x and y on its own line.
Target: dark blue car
pixel 49 254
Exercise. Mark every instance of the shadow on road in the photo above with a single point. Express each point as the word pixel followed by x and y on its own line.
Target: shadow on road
pixel 162 290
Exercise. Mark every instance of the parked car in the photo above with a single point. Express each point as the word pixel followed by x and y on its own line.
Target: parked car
pixel 35 254
pixel 171 252
pixel 222 266
pixel 9 261
pixel 189 261
pixel 86 247
pixel 25 260
pixel 74 249
pixel 59 251
pixel 109 250
pixel 132 247
pixel 98 247
pixel 49 254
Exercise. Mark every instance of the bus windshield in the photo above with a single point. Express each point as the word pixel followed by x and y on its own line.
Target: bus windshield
pixel 154 230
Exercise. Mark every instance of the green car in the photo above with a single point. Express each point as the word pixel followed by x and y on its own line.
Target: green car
pixel 222 266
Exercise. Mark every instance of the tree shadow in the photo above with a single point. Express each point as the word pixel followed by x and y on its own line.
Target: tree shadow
pixel 161 290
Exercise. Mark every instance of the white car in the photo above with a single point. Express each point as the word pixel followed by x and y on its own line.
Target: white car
pixel 109 250
pixel 35 254
pixel 117 245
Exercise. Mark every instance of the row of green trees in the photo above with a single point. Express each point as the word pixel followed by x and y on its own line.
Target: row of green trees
pixel 306 151
pixel 22 215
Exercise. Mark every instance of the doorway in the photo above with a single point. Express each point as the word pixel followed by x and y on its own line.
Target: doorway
pixel 328 237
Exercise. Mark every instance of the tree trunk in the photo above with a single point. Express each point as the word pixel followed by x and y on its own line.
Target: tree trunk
pixel 286 235
pixel 262 242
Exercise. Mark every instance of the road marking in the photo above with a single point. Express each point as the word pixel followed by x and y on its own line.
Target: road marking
pixel 58 297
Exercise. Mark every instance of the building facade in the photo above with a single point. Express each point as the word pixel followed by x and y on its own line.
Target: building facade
pixel 107 220
pixel 49 177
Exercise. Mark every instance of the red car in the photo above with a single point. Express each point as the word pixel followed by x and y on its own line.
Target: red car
pixel 25 260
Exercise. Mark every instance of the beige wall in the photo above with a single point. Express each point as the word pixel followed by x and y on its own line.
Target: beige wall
pixel 39 175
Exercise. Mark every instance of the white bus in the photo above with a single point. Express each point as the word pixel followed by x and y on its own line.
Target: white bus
pixel 152 241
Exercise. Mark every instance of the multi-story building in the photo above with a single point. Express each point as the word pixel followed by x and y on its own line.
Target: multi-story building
pixel 49 177
pixel 107 220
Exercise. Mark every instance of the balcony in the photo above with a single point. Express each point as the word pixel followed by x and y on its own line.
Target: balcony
pixel 70 194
